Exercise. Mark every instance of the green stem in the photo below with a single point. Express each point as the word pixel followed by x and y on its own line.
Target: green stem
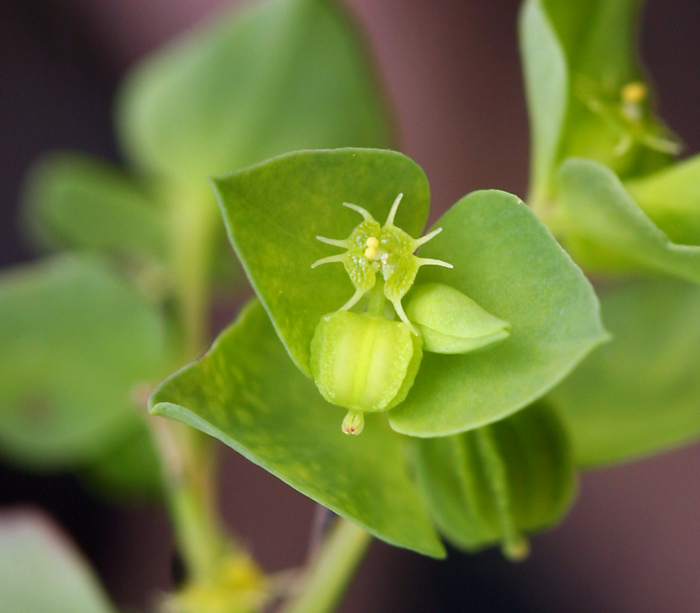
pixel 331 571
pixel 188 455
pixel 377 299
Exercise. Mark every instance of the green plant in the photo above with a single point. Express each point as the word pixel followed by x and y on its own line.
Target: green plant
pixel 475 386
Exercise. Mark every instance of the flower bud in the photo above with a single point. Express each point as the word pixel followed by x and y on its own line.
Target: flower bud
pixel 451 322
pixel 363 363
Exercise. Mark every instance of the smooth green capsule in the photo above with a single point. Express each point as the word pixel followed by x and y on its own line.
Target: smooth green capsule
pixel 364 363
pixel 451 322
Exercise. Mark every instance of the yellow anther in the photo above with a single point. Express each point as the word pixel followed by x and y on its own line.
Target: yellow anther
pixel 371 252
pixel 634 93
pixel 373 242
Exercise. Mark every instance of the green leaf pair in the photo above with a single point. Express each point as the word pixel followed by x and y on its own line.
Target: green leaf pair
pixel 246 391
pixel 587 95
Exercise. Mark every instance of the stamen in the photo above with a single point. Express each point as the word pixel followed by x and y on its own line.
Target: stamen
pixel 354 300
pixel 332 258
pixel 392 212
pixel 432 262
pixel 364 212
pixel 424 239
pixel 402 315
pixel 373 242
pixel 334 241
pixel 371 253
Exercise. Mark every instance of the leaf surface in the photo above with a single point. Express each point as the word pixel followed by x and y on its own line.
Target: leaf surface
pixel 602 217
pixel 76 341
pixel 638 394
pixel 507 262
pixel 75 201
pixel 40 571
pixel 278 76
pixel 275 210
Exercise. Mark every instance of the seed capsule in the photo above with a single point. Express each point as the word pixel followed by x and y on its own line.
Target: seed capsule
pixel 451 322
pixel 363 363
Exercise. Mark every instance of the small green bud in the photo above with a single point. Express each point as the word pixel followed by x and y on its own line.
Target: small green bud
pixel 364 363
pixel 451 322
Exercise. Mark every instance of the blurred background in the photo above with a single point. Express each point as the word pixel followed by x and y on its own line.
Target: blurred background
pixel 451 71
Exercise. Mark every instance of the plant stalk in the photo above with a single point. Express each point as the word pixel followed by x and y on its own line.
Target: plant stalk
pixel 331 571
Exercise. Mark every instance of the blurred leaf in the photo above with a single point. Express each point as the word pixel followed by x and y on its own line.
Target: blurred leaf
pixel 638 394
pixel 75 341
pixel 130 469
pixel 75 201
pixel 275 210
pixel 546 88
pixel 671 198
pixel 247 393
pixel 278 76
pixel 41 572
pixel 494 483
pixel 507 262
pixel 577 59
pixel 601 218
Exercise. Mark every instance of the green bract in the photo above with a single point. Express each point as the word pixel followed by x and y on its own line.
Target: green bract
pixel 451 322
pixel 639 394
pixel 495 483
pixel 248 393
pixel 608 230
pixel 504 259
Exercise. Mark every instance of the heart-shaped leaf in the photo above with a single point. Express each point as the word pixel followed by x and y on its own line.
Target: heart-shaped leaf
pixel 507 262
pixel 275 210
pixel 601 218
pixel 495 483
pixel 74 201
pixel 40 571
pixel 275 77
pixel 247 393
pixel 76 341
pixel 638 394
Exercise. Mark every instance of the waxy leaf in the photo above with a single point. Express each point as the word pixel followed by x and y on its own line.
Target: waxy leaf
pixel 587 94
pixel 247 393
pixel 495 483
pixel 602 218
pixel 508 263
pixel 640 393
pixel 41 572
pixel 72 200
pixel 275 210
pixel 76 341
pixel 671 199
pixel 277 76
